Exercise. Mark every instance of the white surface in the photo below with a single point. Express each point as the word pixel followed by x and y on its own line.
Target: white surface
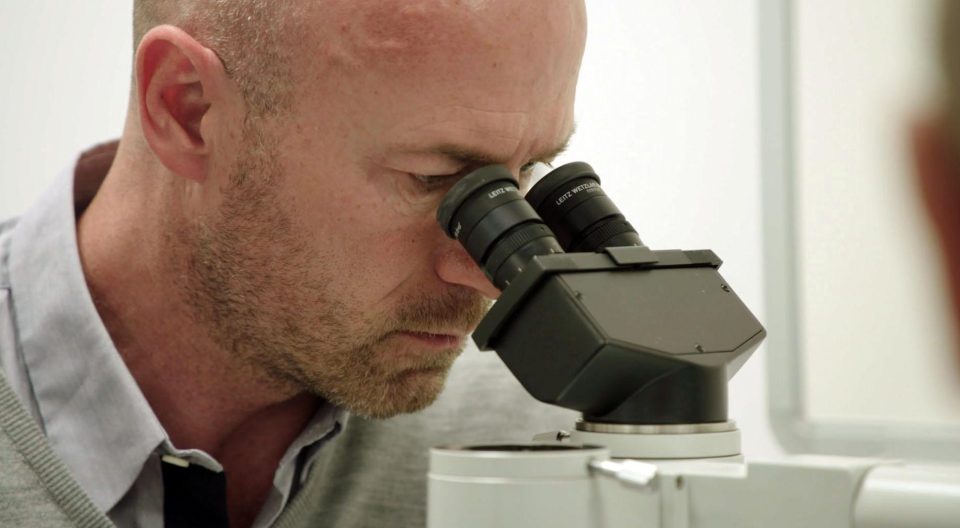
pixel 468 489
pixel 878 338
pixel 517 489
pixel 794 492
pixel 667 113
pixel 920 497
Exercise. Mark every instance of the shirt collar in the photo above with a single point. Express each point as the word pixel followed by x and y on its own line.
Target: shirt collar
pixel 94 414
pixel 87 398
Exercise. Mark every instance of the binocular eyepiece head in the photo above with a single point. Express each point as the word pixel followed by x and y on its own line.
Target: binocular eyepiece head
pixel 633 336
pixel 566 211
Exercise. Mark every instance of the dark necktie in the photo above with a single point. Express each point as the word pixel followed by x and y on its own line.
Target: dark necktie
pixel 193 496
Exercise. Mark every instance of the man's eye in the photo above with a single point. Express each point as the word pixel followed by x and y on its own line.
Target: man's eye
pixel 433 183
pixel 530 173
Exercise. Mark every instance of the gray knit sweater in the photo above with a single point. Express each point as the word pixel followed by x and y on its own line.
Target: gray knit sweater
pixel 372 476
pixel 35 487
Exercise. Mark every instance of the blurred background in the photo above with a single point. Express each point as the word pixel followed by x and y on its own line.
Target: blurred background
pixel 872 290
pixel 669 113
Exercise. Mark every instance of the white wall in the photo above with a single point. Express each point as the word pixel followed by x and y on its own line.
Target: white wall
pixel 878 331
pixel 667 114
pixel 65 69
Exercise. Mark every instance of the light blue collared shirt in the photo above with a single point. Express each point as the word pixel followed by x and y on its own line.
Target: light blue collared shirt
pixel 59 358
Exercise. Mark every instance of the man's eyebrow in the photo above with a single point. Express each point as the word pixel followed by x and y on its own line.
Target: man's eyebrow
pixel 469 156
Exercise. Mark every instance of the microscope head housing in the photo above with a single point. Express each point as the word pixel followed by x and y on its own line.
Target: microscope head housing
pixel 621 333
pixel 628 336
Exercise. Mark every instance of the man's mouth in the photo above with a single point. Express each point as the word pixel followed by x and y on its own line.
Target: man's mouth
pixel 432 340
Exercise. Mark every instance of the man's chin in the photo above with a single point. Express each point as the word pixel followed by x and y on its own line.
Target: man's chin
pixel 408 392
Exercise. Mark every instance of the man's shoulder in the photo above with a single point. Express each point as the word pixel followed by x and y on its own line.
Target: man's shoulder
pixel 24 500
pixel 35 488
pixel 7 224
pixel 6 230
pixel 7 332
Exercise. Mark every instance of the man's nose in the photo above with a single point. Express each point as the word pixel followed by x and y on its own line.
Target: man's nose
pixel 455 266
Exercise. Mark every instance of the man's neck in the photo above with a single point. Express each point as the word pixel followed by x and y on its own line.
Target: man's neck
pixel 202 397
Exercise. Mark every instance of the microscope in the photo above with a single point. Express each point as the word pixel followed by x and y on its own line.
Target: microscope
pixel 642 343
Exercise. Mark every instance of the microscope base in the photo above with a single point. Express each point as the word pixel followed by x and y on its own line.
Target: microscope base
pixel 576 487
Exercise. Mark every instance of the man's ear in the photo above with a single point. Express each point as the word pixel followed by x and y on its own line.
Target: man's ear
pixel 178 79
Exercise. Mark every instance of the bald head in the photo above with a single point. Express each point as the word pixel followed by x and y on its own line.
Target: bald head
pixel 255 39
pixel 400 31
pixel 264 44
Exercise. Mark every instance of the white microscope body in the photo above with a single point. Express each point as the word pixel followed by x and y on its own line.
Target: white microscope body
pixel 558 485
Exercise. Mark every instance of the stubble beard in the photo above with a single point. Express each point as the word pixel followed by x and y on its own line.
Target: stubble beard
pixel 251 279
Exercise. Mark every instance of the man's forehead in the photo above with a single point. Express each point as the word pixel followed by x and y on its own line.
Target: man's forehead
pixel 410 24
pixel 498 74
pixel 457 121
pixel 480 135
pixel 398 32
pixel 354 32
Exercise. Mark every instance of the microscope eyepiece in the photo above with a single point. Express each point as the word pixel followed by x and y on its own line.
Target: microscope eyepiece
pixel 571 202
pixel 486 213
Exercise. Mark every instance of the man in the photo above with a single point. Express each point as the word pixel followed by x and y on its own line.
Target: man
pixel 206 300
pixel 936 152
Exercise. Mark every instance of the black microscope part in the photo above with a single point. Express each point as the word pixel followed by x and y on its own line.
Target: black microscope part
pixel 571 201
pixel 612 329
pixel 487 214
